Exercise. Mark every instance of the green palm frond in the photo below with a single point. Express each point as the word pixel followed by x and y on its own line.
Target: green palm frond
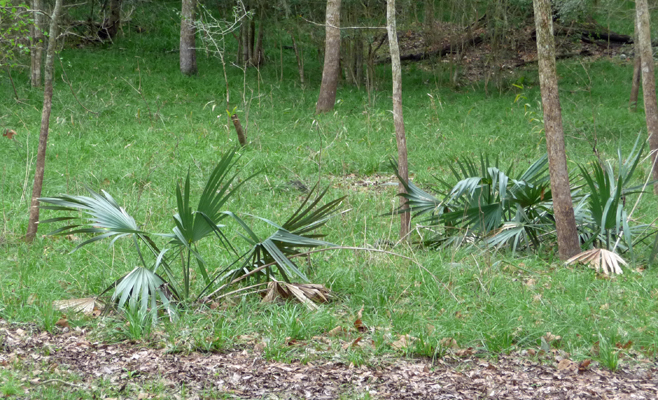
pixel 608 221
pixel 486 202
pixel 192 225
pixel 102 216
pixel 290 238
pixel 419 202
pixel 141 288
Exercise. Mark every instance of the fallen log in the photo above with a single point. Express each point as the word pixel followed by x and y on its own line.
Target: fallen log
pixel 451 48
pixel 594 33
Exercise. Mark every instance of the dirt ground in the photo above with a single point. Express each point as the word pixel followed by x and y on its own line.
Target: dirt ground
pixel 246 375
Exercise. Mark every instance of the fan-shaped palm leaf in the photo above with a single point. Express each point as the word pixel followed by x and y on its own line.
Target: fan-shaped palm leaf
pixel 101 216
pixel 601 260
pixel 288 239
pixel 141 288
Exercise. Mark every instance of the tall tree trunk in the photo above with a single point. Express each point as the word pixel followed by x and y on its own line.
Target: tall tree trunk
pixel 331 71
pixel 300 60
pixel 245 42
pixel 648 82
pixel 635 88
pixel 358 47
pixel 258 51
pixel 37 44
pixel 565 222
pixel 187 38
pixel 45 120
pixel 114 22
pixel 239 58
pixel 252 41
pixel 398 120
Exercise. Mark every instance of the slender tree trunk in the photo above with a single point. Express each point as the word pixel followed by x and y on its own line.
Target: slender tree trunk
pixel 565 222
pixel 648 82
pixel 331 71
pixel 239 58
pixel 114 22
pixel 400 136
pixel 258 52
pixel 252 41
pixel 242 136
pixel 187 38
pixel 635 88
pixel 300 62
pixel 37 44
pixel 45 120
pixel 245 43
pixel 359 60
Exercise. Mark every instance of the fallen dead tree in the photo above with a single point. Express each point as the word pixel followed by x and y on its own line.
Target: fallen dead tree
pixel 451 48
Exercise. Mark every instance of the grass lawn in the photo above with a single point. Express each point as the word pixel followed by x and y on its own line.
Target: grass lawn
pixel 154 125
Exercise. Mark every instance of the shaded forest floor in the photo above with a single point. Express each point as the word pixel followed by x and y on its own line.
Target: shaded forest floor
pixel 474 55
pixel 79 367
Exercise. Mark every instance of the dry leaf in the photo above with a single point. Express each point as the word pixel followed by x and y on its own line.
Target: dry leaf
pixel 336 331
pixel 448 343
pixel 600 259
pixel 401 343
pixel 566 364
pixel 464 352
pixel 360 326
pixel 62 322
pixel 595 349
pixel 624 346
pixel 584 365
pixel 9 133
pixel 354 343
pixel 260 346
pixel 550 338
pixel 530 283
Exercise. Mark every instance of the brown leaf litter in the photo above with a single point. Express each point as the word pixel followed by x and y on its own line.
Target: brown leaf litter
pixel 246 375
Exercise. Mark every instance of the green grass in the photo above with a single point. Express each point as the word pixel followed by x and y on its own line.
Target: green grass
pixel 138 146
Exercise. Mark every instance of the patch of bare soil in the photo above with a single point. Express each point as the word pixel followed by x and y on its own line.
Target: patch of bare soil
pixel 246 375
pixel 364 183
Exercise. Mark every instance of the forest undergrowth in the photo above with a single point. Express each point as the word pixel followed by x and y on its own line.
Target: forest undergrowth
pixel 147 126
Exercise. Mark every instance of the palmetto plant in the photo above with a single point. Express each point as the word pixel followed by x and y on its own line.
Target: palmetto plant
pixel 103 217
pixel 144 287
pixel 289 239
pixel 486 203
pixel 608 220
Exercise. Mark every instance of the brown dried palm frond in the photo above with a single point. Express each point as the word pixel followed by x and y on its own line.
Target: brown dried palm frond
pixel 88 305
pixel 600 259
pixel 306 293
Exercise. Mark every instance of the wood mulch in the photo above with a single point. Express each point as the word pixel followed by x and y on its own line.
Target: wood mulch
pixel 246 375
